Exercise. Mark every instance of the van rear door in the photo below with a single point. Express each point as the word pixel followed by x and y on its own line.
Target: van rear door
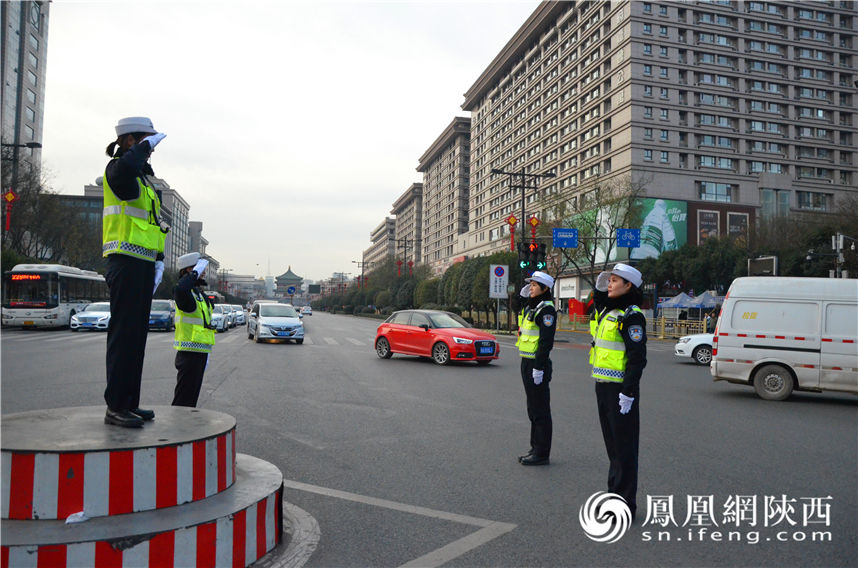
pixel 839 350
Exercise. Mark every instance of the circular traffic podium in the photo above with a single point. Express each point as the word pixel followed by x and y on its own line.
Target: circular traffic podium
pixel 173 493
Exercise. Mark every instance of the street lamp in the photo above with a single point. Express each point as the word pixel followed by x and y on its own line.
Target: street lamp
pixel 524 187
pixel 361 264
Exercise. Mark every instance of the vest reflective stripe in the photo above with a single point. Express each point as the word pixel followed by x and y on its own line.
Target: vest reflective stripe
pixel 191 332
pixel 129 210
pixel 608 355
pixel 131 227
pixel 528 339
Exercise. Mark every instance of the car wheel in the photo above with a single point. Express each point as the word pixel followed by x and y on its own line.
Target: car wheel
pixel 74 329
pixel 299 341
pixel 773 382
pixel 249 335
pixel 382 348
pixel 440 353
pixel 256 338
pixel 702 354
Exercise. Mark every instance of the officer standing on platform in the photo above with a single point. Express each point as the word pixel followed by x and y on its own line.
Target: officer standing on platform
pixel 536 325
pixel 618 358
pixel 195 335
pixel 133 241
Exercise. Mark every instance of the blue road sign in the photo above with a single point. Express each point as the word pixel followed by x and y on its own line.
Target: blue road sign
pixel 290 290
pixel 630 238
pixel 565 238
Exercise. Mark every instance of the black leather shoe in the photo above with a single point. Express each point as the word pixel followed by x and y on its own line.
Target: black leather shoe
pixel 124 418
pixel 534 460
pixel 525 456
pixel 146 415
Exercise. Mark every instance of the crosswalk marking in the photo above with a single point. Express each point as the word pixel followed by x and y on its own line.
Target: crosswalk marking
pixel 308 340
pixel 331 341
pixel 355 341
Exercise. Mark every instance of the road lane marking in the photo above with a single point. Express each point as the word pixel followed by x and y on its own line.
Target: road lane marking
pixel 331 341
pixel 355 341
pixel 308 340
pixel 488 531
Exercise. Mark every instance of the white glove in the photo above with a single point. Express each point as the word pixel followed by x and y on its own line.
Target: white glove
pixel 626 403
pixel 200 267
pixel 525 292
pixel 537 377
pixel 155 138
pixel 602 281
pixel 159 274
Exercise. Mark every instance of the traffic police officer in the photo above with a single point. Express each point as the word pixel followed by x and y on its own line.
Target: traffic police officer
pixel 536 325
pixel 195 335
pixel 618 357
pixel 133 241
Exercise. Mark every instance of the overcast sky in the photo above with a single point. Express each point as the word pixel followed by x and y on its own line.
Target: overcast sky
pixel 292 127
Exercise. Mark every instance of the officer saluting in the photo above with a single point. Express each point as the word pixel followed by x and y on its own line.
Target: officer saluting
pixel 195 335
pixel 618 358
pixel 133 241
pixel 536 325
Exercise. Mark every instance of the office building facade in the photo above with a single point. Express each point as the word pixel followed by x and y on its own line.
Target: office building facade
pixel 446 179
pixel 383 243
pixel 724 110
pixel 408 229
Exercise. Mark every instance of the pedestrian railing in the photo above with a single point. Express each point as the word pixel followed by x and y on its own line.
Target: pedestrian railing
pixel 660 328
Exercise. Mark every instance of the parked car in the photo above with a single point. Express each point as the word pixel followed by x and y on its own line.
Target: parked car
pixel 307 311
pixel 227 314
pixel 780 334
pixel 93 316
pixel 238 315
pixel 274 321
pixel 443 336
pixel 162 315
pixel 698 347
pixel 219 318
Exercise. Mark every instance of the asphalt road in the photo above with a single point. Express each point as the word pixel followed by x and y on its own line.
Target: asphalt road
pixel 403 461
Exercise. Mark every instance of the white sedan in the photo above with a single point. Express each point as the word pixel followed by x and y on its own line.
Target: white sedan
pixel 698 347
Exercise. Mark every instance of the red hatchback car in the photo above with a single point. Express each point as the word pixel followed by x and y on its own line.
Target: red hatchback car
pixel 440 335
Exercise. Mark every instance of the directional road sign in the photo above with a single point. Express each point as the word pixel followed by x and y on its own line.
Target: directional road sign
pixel 565 238
pixel 630 238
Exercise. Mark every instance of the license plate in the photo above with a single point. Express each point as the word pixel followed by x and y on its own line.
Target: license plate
pixel 487 350
pixel 87 324
pixel 29 323
pixel 151 322
pixel 279 333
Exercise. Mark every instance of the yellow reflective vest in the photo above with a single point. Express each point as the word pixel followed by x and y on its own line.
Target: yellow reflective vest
pixel 192 333
pixel 608 354
pixel 132 227
pixel 528 331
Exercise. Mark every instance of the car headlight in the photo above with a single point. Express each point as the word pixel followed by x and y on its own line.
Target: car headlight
pixel 462 340
pixel 684 339
pixel 104 318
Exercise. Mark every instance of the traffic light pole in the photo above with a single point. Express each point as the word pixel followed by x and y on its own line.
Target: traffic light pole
pixel 524 187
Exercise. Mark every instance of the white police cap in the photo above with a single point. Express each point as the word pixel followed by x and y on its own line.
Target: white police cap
pixel 630 273
pixel 542 278
pixel 188 260
pixel 135 124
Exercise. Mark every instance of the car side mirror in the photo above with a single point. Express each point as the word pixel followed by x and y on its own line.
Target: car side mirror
pixel 425 326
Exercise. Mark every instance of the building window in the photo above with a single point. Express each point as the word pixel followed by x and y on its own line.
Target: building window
pixel 648 133
pixel 711 191
pixel 648 155
pixel 662 10
pixel 647 90
pixel 31 97
pixel 663 72
pixel 647 70
pixel 774 202
pixel 647 29
pixel 647 112
pixel 30 114
pixel 34 42
pixel 662 30
pixel 664 157
pixel 647 8
pixel 665 114
pixel 647 49
pixel 663 93
pixel 665 135
pixel 32 77
pixel 34 61
pixel 662 51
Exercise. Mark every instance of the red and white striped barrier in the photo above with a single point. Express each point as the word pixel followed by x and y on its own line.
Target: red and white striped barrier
pixel 54 485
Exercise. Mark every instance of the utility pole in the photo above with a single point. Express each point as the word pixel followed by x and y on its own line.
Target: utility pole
pixel 361 264
pixel 523 178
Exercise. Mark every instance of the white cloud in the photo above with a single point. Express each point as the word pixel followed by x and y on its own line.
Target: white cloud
pixel 292 127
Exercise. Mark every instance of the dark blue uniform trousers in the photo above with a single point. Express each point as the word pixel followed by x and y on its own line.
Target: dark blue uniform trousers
pixel 622 434
pixel 538 407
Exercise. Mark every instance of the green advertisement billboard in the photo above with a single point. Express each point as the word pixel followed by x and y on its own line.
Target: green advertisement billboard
pixel 664 227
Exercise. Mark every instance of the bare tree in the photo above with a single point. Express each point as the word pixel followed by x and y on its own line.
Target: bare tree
pixel 604 205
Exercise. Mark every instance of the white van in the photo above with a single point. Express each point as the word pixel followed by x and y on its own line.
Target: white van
pixel 785 334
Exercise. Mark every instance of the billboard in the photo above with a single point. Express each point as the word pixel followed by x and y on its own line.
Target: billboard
pixel 707 225
pixel 314 288
pixel 664 227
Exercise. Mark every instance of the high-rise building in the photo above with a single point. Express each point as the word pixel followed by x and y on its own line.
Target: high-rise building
pixel 726 111
pixel 24 59
pixel 408 210
pixel 383 243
